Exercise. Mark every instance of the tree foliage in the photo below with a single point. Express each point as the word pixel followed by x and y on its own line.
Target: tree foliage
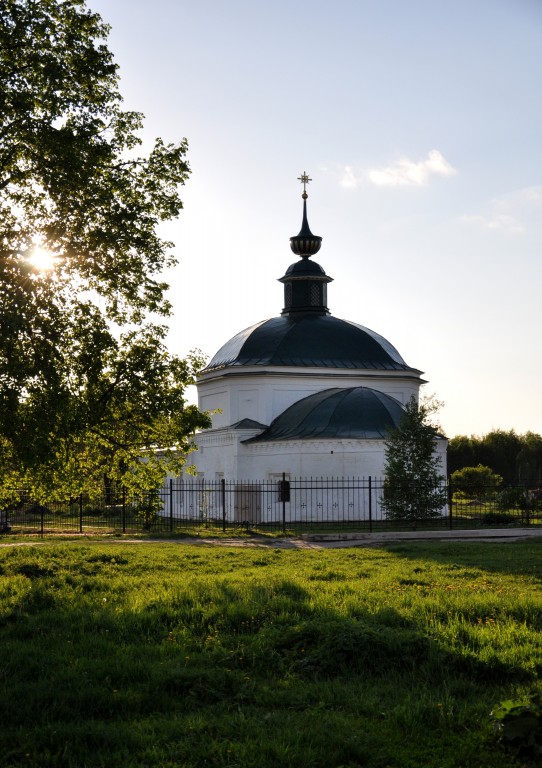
pixel 475 482
pixel 516 458
pixel 86 381
pixel 413 485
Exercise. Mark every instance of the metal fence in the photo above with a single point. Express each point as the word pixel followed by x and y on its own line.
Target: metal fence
pixel 287 504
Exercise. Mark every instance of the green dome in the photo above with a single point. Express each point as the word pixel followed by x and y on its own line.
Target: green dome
pixel 309 340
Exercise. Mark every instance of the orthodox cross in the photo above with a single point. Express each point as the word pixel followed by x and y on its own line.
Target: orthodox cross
pixel 304 179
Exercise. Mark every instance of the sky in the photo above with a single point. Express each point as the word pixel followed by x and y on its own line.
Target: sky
pixel 420 125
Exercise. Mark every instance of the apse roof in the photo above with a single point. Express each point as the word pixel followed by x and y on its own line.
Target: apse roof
pixel 309 340
pixel 248 424
pixel 349 413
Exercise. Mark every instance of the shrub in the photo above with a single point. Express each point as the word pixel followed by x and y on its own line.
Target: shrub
pixel 498 518
pixel 146 510
pixel 511 498
pixel 519 726
pixel 475 482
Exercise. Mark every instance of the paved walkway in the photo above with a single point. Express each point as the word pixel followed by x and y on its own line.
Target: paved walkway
pixel 318 540
pixel 478 533
pixel 341 540
pixel 379 537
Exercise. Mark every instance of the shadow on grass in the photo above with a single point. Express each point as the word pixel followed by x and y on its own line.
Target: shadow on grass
pixel 216 673
pixel 520 558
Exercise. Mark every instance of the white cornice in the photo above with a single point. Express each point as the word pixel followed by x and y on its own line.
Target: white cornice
pixel 224 436
pixel 246 371
pixel 319 446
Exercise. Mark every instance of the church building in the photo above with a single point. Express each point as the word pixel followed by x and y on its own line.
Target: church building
pixel 304 393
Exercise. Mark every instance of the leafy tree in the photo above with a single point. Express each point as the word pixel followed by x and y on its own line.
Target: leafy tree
pixel 414 485
pixel 529 459
pixel 499 450
pixel 517 458
pixel 512 498
pixel 475 482
pixel 85 379
pixel 463 451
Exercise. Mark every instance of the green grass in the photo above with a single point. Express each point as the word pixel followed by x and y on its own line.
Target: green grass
pixel 169 654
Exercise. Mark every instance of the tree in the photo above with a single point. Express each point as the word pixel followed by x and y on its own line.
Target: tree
pixel 499 450
pixel 529 459
pixel 413 485
pixel 475 482
pixel 516 458
pixel 463 451
pixel 85 379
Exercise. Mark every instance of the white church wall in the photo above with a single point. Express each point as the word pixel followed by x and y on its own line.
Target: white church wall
pixel 216 455
pixel 281 398
pixel 441 448
pixel 216 398
pixel 346 468
pixel 265 395
pixel 305 458
pixel 247 405
pixel 222 453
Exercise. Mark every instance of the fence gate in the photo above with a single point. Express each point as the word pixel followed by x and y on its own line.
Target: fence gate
pixel 247 503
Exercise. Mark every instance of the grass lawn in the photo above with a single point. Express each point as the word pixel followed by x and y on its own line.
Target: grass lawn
pixel 162 654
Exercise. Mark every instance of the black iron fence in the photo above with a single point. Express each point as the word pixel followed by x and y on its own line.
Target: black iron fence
pixel 283 504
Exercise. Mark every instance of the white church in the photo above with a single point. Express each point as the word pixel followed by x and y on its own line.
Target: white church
pixel 303 394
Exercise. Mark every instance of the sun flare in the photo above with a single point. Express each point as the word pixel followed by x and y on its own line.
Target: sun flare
pixel 42 260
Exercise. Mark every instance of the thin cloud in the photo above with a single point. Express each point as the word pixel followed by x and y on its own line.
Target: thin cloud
pixel 496 221
pixel 528 200
pixel 514 213
pixel 407 173
pixel 349 179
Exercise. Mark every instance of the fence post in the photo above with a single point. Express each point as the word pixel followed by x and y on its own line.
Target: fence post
pixel 223 502
pixel 170 504
pixel 371 502
pixel 450 505
pixel 284 503
pixel 4 521
pixel 80 513
pixel 124 510
pixel 42 520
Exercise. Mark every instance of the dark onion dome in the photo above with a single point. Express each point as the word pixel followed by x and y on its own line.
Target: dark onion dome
pixel 309 340
pixel 305 282
pixel 306 335
pixel 305 267
pixel 356 413
pixel 305 244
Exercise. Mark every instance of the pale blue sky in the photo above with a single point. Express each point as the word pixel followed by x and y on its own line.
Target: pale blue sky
pixel 419 123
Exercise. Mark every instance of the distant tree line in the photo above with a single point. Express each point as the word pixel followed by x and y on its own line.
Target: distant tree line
pixel 516 458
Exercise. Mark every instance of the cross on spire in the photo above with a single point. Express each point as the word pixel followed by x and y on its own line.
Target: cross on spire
pixel 304 179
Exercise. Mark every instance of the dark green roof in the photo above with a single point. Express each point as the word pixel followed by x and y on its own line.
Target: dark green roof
pixel 309 340
pixel 248 424
pixel 305 267
pixel 351 413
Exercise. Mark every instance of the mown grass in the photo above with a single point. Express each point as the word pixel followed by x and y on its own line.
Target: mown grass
pixel 168 654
